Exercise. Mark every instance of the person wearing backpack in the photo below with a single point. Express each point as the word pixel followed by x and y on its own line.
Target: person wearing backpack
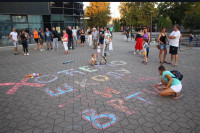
pixel 172 82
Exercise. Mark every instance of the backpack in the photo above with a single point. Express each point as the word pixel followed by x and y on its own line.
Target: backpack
pixel 177 74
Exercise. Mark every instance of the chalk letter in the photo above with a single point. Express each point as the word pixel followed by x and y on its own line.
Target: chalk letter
pixel 55 77
pixel 85 68
pixel 121 62
pixel 100 78
pixel 116 75
pixel 91 116
pixel 135 96
pixel 107 92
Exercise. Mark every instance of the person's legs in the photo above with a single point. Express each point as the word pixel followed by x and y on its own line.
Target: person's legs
pixel 176 59
pixel 167 92
pixel 57 44
pixel 72 44
pixel 54 43
pixel 171 61
pixel 160 55
pixel 95 44
pixel 165 53
pixel 48 44
pixel 148 51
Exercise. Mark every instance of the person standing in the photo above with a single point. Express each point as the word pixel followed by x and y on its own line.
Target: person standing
pixel 41 38
pixel 35 35
pixel 24 42
pixel 74 32
pixel 139 43
pixel 90 38
pixel 190 42
pixel 148 37
pixel 127 33
pixel 70 38
pixel 162 39
pixel 105 30
pixel 82 37
pixel 14 37
pixel 174 44
pixel 95 37
pixel 79 35
pixel 101 36
pixel 132 33
pixel 111 30
pixel 48 38
pixel 65 41
pixel 55 38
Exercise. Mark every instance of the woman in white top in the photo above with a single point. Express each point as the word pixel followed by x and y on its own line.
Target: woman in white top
pixel 107 38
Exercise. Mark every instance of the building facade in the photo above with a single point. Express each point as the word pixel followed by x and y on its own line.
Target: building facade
pixel 29 15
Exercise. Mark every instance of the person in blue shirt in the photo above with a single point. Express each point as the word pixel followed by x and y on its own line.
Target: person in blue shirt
pixel 191 40
pixel 172 85
pixel 48 38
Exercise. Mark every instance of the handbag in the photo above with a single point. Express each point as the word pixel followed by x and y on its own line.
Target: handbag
pixel 110 46
pixel 158 46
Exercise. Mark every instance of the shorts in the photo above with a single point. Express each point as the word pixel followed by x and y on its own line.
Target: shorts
pixel 15 44
pixel 163 46
pixel 144 52
pixel 41 41
pixel 101 41
pixel 176 88
pixel 127 36
pixel 190 42
pixel 36 40
pixel 79 36
pixel 48 41
pixel 75 38
pixel 173 50
pixel 132 35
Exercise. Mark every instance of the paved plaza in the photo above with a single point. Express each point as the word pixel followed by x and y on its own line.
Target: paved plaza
pixel 79 98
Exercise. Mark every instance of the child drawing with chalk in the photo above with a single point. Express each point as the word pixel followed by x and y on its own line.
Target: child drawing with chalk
pixel 171 81
pixel 99 49
pixel 145 46
pixel 93 61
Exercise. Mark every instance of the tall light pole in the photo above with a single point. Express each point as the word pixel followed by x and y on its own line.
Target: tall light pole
pixel 151 25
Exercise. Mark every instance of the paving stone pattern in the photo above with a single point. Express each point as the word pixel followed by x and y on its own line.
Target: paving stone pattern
pixel 89 103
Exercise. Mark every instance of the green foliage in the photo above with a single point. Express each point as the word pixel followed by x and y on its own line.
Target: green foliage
pixel 116 25
pixel 138 13
pixel 164 22
pixel 99 13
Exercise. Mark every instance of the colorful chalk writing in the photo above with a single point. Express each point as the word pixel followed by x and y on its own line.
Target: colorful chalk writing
pixel 84 83
pixel 118 103
pixel 93 118
pixel 70 72
pixel 60 91
pixel 123 70
pixel 118 62
pixel 70 101
pixel 87 69
pixel 100 78
pixel 107 92
pixel 135 96
pixel 114 74
pixel 54 78
pixel 17 85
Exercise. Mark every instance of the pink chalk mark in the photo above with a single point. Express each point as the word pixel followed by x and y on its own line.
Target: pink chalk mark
pixel 118 103
pixel 107 92
pixel 70 101
pixel 17 85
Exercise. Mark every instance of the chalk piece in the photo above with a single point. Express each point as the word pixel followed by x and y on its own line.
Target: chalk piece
pixel 68 62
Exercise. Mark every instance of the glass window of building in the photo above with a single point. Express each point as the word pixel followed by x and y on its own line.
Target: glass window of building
pixel 56 4
pixel 34 18
pixel 68 19
pixel 68 4
pixel 57 18
pixel 20 19
pixel 68 11
pixel 57 10
pixel 4 18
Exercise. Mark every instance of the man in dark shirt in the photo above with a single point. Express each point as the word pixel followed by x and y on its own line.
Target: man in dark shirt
pixel 101 35
pixel 70 38
pixel 127 33
pixel 55 38
pixel 79 35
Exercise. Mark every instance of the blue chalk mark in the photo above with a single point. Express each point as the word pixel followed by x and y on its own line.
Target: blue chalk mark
pixel 116 75
pixel 36 79
pixel 135 96
pixel 93 119
pixel 69 72
pixel 60 91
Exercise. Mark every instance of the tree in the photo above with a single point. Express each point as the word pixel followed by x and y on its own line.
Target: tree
pixel 164 22
pixel 99 13
pixel 116 25
pixel 138 13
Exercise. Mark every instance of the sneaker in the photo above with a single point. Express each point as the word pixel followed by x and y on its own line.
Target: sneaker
pixel 145 63
pixel 27 54
pixel 139 52
pixel 15 53
pixel 24 53
pixel 134 52
pixel 41 50
pixel 51 48
pixel 47 48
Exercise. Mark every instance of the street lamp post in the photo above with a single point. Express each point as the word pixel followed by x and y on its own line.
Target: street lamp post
pixel 151 25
